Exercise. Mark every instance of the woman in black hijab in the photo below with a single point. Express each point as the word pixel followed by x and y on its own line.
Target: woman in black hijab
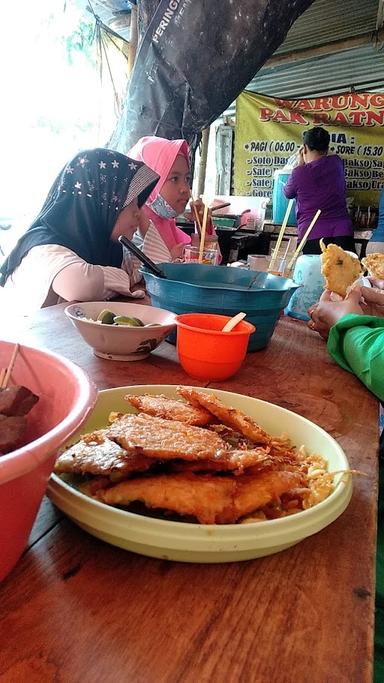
pixel 71 251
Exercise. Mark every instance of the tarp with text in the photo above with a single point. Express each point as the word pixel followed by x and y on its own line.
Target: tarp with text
pixel 269 130
pixel 194 59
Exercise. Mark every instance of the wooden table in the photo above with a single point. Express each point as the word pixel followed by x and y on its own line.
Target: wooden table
pixel 75 609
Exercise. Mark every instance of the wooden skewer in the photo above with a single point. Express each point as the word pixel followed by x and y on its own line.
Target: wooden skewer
pixel 6 372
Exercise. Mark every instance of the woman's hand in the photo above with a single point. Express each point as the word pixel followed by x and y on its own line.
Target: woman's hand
pixel 373 298
pixel 326 312
pixel 177 251
pixel 300 156
pixel 198 207
pixel 377 284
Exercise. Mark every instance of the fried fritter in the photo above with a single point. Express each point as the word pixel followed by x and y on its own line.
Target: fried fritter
pixel 211 499
pixel 170 409
pixel 155 437
pixel 374 263
pixel 229 416
pixel 235 462
pixel 97 454
pixel 339 268
pixel 92 486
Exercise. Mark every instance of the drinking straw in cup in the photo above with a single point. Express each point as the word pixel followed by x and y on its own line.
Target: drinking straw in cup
pixel 303 241
pixel 197 217
pixel 203 230
pixel 280 236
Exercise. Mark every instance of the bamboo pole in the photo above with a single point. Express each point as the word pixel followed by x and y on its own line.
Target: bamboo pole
pixel 203 161
pixel 133 40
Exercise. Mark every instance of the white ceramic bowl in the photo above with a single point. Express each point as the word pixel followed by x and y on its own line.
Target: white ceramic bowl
pixel 120 342
pixel 208 543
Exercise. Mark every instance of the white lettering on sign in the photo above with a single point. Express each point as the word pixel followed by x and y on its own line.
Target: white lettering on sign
pixel 168 15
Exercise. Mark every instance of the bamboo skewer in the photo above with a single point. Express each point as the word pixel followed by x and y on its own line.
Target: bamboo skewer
pixel 5 373
pixel 303 241
pixel 280 236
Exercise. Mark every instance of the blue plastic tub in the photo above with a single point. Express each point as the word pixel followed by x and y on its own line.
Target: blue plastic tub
pixel 191 287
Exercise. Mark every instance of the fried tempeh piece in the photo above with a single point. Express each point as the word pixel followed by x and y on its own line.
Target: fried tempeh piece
pixel 96 454
pixel 155 437
pixel 170 409
pixel 231 417
pixel 211 499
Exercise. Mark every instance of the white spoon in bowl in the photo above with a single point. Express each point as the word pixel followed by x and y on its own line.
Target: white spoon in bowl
pixel 228 327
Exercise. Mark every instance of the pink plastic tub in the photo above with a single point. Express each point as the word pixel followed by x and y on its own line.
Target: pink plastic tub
pixel 66 395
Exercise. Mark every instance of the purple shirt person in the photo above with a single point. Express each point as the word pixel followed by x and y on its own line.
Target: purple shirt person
pixel 318 182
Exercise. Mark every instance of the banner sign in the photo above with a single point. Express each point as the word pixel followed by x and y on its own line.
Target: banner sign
pixel 269 130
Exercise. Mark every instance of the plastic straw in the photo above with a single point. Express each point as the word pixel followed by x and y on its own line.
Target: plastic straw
pixel 197 217
pixel 203 230
pixel 287 248
pixel 303 241
pixel 281 233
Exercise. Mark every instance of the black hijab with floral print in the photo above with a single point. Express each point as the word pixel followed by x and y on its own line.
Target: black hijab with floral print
pixel 82 207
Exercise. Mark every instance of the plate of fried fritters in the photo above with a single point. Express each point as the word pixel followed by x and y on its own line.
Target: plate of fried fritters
pixel 196 475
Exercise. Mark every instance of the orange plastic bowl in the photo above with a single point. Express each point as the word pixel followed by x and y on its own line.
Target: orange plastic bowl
pixel 66 396
pixel 207 353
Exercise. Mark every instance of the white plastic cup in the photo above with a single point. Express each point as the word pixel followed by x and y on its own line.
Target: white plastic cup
pixel 262 263
pixel 259 262
pixel 306 273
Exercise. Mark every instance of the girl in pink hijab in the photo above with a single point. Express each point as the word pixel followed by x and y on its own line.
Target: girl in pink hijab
pixel 162 239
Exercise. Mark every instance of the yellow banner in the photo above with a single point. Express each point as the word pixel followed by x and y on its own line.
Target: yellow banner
pixel 269 130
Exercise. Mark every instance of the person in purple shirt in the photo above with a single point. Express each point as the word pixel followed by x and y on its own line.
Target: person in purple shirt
pixel 318 182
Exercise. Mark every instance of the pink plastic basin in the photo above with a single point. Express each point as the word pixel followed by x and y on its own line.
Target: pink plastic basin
pixel 66 395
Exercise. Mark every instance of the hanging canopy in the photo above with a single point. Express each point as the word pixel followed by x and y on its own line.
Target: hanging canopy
pixel 193 61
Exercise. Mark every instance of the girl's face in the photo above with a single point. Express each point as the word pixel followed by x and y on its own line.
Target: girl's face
pixel 176 190
pixel 127 221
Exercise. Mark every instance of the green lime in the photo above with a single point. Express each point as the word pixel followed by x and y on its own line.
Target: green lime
pixel 106 317
pixel 125 320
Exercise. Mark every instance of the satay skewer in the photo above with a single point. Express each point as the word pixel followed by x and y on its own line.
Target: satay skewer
pixel 5 373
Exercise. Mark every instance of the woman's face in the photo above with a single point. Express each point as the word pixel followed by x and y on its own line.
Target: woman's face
pixel 127 221
pixel 176 190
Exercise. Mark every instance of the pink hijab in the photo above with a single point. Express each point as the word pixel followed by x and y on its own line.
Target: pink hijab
pixel 160 154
